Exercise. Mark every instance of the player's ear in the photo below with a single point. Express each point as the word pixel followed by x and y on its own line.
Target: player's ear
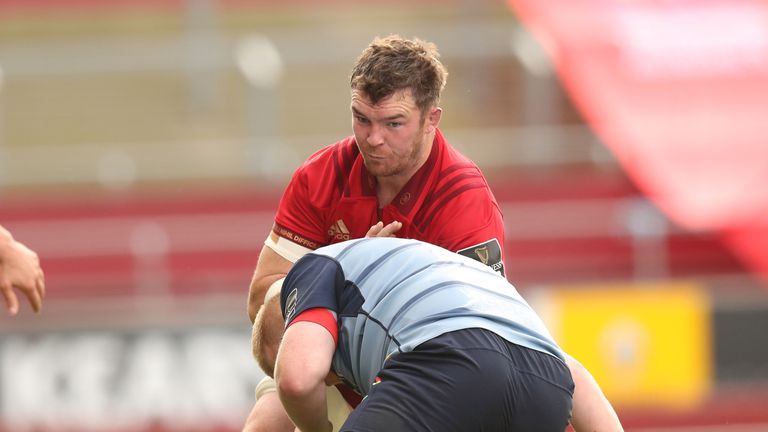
pixel 267 333
pixel 433 119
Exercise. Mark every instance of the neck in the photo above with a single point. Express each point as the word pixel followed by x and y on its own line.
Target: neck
pixel 388 187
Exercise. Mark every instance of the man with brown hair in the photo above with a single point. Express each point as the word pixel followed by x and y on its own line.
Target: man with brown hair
pixel 396 175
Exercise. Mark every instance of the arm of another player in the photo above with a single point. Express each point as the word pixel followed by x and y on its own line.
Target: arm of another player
pixel 592 412
pixel 19 269
pixel 271 267
pixel 302 367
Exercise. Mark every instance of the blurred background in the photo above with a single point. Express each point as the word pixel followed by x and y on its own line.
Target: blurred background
pixel 144 145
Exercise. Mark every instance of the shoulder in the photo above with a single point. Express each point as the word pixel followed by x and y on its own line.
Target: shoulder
pixel 325 174
pixel 338 156
pixel 459 187
pixel 457 172
pixel 470 208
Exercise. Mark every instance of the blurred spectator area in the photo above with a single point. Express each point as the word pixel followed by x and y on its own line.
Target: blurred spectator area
pixel 120 98
pixel 156 91
pixel 144 146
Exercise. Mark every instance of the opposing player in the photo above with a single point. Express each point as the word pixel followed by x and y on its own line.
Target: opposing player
pixel 396 175
pixel 436 341
pixel 19 270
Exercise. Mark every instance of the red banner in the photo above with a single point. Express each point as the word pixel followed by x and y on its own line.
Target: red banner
pixel 678 90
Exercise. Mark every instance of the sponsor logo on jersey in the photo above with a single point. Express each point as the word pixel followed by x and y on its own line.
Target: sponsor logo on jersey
pixel 338 231
pixel 488 253
pixel 290 304
pixel 483 254
pixel 405 198
pixel 296 238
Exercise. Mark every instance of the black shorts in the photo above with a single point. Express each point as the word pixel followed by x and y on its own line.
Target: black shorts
pixel 467 380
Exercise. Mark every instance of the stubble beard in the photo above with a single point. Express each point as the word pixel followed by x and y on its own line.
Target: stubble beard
pixel 403 165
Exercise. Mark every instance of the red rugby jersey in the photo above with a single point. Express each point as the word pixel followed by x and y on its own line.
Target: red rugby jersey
pixel 447 202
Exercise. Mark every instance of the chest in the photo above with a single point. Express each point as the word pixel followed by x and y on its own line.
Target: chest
pixel 352 217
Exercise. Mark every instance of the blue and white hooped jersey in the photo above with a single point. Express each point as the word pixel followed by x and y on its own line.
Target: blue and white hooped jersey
pixel 389 295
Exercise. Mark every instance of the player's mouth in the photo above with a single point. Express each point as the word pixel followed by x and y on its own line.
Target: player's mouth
pixel 375 157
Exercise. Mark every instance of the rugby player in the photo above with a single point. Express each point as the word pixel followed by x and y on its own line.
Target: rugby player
pixel 396 175
pixel 434 340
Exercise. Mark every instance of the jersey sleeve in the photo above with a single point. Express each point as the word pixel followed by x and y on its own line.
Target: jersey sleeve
pixel 322 317
pixel 305 209
pixel 473 226
pixel 311 283
pixel 298 218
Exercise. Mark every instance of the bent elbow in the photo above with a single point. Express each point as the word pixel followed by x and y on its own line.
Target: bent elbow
pixel 294 385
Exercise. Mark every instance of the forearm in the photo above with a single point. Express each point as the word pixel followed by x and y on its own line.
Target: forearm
pixel 303 364
pixel 308 411
pixel 258 289
pixel 592 412
pixel 270 267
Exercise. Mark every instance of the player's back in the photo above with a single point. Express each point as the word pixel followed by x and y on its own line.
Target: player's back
pixel 409 292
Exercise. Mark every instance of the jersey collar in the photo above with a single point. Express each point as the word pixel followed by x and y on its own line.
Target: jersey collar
pixel 405 200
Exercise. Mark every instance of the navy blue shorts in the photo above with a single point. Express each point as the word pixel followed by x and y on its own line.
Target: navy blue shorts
pixel 467 380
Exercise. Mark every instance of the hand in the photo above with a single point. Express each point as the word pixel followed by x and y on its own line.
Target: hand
pixel 20 269
pixel 332 379
pixel 379 230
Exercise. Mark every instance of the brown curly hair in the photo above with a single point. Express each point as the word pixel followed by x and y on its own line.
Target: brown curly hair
pixel 393 63
pixel 265 343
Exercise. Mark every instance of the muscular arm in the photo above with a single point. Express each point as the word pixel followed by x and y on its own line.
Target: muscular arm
pixel 303 364
pixel 592 412
pixel 269 268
